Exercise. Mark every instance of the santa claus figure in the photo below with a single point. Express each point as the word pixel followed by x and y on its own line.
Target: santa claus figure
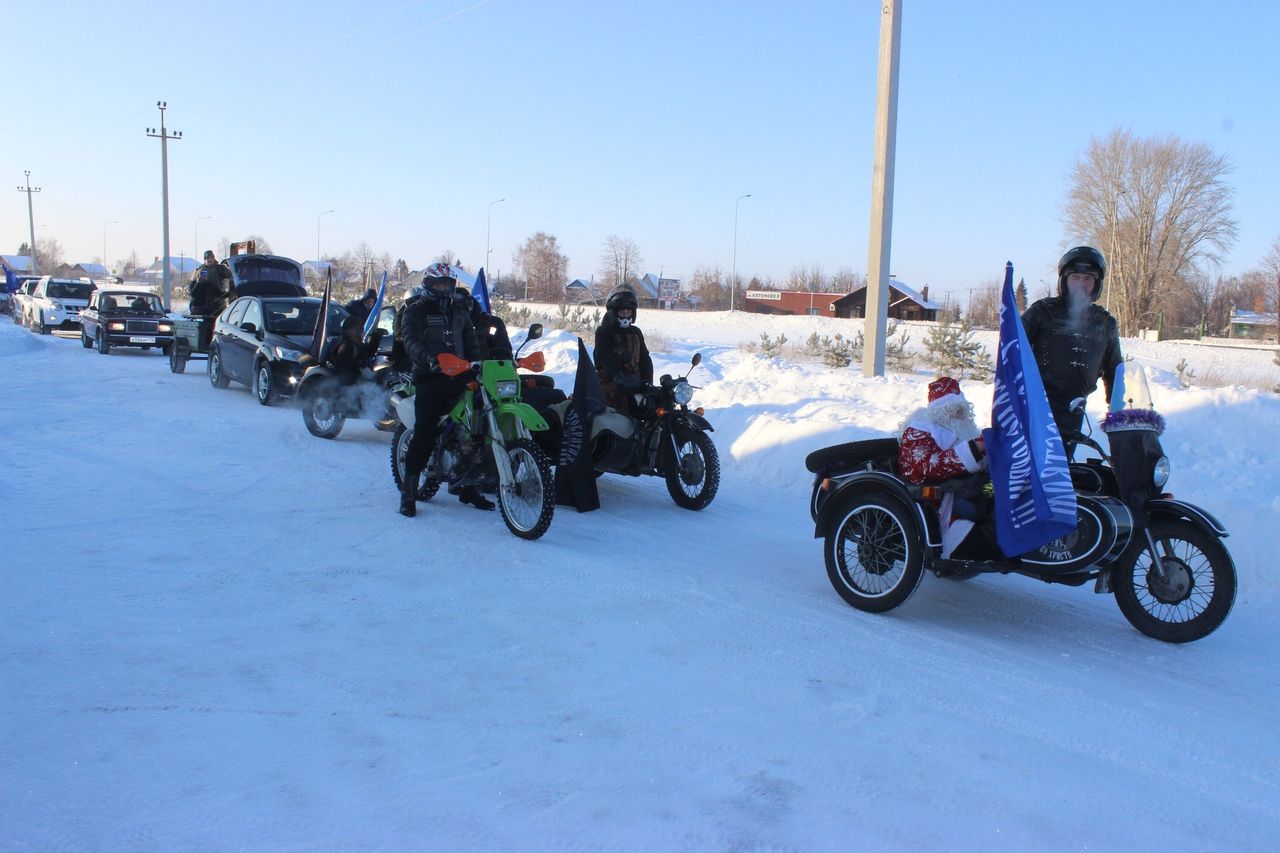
pixel 941 442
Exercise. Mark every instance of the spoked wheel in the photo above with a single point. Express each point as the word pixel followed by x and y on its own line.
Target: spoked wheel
pixel 427 486
pixel 322 414
pixel 874 554
pixel 217 376
pixel 1195 595
pixel 696 476
pixel 528 501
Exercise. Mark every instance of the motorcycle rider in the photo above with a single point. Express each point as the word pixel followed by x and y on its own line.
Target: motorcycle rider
pixel 621 356
pixel 352 352
pixel 362 306
pixel 1076 342
pixel 439 322
pixel 942 442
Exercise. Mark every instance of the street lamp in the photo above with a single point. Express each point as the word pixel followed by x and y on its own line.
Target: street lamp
pixel 197 248
pixel 733 276
pixel 105 262
pixel 318 215
pixel 487 226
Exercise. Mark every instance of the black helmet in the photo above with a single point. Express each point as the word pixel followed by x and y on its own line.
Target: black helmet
pixel 1082 259
pixel 622 297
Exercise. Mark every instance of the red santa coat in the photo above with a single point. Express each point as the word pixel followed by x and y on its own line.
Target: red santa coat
pixel 929 453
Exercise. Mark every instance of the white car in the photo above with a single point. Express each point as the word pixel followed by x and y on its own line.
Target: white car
pixel 56 303
pixel 20 301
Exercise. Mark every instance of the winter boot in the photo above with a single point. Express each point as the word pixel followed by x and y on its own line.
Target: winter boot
pixel 471 495
pixel 409 496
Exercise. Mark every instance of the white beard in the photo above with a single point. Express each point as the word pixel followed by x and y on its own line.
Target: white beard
pixel 949 425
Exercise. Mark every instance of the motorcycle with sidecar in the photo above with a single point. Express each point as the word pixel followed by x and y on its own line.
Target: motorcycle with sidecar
pixel 1162 558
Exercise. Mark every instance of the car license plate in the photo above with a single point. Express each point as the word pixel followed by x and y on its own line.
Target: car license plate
pixel 138 339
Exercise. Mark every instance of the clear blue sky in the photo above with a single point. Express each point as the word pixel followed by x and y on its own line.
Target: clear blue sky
pixel 642 119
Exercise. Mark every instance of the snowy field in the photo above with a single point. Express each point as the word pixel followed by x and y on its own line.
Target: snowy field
pixel 216 633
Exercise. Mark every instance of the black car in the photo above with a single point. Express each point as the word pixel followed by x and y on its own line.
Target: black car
pixel 258 340
pixel 125 318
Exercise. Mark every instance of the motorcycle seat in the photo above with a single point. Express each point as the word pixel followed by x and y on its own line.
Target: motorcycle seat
pixel 614 422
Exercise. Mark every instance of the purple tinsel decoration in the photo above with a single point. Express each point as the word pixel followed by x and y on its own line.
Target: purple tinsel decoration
pixel 1128 419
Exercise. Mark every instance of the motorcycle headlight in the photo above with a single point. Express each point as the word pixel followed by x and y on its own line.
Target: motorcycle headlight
pixel 508 387
pixel 288 354
pixel 683 392
pixel 1160 474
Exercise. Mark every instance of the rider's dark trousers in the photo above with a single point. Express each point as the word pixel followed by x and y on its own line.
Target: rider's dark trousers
pixel 434 395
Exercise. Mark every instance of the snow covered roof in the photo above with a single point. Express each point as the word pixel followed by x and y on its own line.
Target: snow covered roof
pixel 181 264
pixel 649 284
pixel 17 263
pixel 578 284
pixel 908 291
pixel 94 269
pixel 1253 318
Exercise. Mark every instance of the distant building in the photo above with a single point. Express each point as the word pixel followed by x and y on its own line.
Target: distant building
pixel 17 263
pixel 1252 325
pixel 180 269
pixel 92 271
pixel 790 302
pixel 905 303
pixel 580 290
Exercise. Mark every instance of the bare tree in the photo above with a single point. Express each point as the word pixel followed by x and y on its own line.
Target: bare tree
pixel 48 254
pixel 846 281
pixel 543 266
pixel 620 262
pixel 708 286
pixel 1159 208
pixel 984 305
pixel 1271 266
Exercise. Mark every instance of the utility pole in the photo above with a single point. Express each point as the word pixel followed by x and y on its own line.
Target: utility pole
pixel 31 219
pixel 733 273
pixel 875 325
pixel 164 136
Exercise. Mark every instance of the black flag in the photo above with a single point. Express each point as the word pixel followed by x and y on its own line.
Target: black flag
pixel 322 321
pixel 575 479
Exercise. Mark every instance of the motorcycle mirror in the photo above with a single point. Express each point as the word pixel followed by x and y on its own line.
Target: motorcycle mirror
pixel 697 359
pixel 535 331
pixel 1077 404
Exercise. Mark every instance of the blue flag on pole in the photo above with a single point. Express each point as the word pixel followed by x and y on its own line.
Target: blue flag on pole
pixel 372 319
pixel 1034 500
pixel 481 292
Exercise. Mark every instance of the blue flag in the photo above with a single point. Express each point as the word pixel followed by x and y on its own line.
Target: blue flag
pixel 1034 499
pixel 372 319
pixel 481 292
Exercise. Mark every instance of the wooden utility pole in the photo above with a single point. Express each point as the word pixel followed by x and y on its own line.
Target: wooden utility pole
pixel 882 190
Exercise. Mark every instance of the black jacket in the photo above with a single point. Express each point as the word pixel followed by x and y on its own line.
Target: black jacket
pixel 430 329
pixel 621 358
pixel 211 289
pixel 1073 353
pixel 357 308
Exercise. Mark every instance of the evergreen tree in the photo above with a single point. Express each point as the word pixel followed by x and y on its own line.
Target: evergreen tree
pixel 1020 295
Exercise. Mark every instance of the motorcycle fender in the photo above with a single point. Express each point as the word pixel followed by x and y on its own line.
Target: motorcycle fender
pixel 694 420
pixel 876 481
pixel 405 411
pixel 1170 508
pixel 524 413
pixel 312 379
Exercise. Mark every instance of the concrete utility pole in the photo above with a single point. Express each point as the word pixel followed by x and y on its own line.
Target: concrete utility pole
pixel 164 136
pixel 31 219
pixel 733 274
pixel 882 190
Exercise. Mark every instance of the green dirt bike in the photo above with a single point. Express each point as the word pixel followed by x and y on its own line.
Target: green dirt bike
pixel 486 442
